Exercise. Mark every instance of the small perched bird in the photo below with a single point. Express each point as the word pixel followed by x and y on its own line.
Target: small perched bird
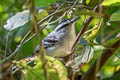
pixel 60 40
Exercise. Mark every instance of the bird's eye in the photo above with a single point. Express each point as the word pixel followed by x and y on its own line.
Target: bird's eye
pixel 5 23
pixel 75 55
pixel 37 51
pixel 55 41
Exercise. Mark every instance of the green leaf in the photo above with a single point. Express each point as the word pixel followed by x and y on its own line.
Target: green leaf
pixel 114 77
pixel 115 16
pixel 17 20
pixel 84 57
pixel 114 59
pixel 56 70
pixel 92 3
pixel 111 2
pixel 93 32
pixel 44 3
pixel 110 42
pixel 41 14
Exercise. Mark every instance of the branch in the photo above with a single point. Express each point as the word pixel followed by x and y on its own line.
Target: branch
pixel 17 49
pixel 36 28
pixel 90 74
pixel 84 28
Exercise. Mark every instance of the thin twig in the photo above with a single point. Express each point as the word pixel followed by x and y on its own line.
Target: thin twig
pixel 13 54
pixel 6 44
pixel 51 15
pixel 25 36
pixel 36 28
pixel 73 5
pixel 84 28
pixel 53 21
pixel 16 50
pixel 73 75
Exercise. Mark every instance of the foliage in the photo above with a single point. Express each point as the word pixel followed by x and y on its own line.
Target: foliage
pixel 101 33
pixel 56 70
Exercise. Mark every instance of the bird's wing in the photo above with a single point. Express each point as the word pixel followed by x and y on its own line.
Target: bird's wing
pixel 50 40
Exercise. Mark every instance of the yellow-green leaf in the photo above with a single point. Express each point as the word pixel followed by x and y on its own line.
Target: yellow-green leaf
pixel 115 16
pixel 111 2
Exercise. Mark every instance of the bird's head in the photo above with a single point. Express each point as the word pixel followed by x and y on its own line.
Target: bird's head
pixel 67 23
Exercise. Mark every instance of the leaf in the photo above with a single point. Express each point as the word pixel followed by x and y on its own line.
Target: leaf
pixel 93 32
pixel 116 76
pixel 44 3
pixel 17 20
pixel 115 16
pixel 110 2
pixel 93 3
pixel 56 70
pixel 98 47
pixel 110 42
pixel 83 58
pixel 88 54
pixel 40 14
pixel 86 12
pixel 114 59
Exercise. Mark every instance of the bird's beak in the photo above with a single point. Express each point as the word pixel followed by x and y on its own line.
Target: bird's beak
pixel 74 19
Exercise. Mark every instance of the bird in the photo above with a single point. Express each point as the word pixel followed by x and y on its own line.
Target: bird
pixel 59 42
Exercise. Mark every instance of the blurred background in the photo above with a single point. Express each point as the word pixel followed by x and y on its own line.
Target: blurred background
pixel 105 36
